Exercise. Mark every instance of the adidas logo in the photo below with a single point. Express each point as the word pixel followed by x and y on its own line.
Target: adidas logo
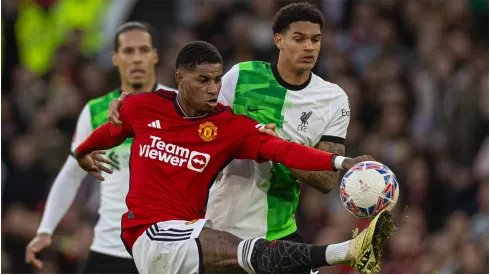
pixel 155 124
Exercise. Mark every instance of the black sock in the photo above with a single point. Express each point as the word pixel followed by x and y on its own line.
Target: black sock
pixel 286 257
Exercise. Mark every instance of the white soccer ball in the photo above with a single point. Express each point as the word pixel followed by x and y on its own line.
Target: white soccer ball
pixel 368 188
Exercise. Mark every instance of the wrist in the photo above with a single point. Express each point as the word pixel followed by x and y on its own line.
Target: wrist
pixel 44 234
pixel 75 154
pixel 337 162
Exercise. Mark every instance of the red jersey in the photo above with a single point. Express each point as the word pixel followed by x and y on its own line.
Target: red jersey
pixel 175 158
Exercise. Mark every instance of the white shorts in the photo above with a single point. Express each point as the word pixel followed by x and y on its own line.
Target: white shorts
pixel 170 247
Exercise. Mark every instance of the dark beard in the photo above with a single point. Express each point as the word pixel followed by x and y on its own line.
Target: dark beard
pixel 137 86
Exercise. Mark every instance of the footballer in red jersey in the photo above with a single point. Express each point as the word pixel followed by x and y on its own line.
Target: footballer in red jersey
pixel 181 141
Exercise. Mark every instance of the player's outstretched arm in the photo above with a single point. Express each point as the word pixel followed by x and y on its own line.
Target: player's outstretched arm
pixel 60 198
pixel 62 193
pixel 260 147
pixel 301 157
pixel 323 181
pixel 104 137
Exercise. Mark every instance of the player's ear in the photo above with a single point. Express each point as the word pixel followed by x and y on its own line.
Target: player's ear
pixel 115 59
pixel 179 78
pixel 155 56
pixel 278 40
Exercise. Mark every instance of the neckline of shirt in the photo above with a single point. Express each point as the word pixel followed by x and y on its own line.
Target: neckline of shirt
pixel 286 85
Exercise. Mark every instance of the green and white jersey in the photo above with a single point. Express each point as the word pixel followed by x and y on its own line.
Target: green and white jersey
pixel 114 189
pixel 260 200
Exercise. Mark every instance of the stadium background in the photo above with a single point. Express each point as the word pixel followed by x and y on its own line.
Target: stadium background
pixel 416 73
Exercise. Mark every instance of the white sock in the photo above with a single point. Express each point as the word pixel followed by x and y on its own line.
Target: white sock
pixel 337 253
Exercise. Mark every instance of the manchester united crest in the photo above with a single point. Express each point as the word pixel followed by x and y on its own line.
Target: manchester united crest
pixel 207 131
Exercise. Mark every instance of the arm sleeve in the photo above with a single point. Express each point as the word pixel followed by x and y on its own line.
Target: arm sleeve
pixel 336 131
pixel 84 127
pixel 228 86
pixel 108 135
pixel 67 183
pixel 262 147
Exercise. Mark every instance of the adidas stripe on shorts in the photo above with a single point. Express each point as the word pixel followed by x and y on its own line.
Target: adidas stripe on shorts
pixel 170 247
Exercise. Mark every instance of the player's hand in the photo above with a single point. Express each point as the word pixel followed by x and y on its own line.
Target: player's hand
pixel 97 157
pixel 114 107
pixel 90 163
pixel 40 242
pixel 269 129
pixel 348 163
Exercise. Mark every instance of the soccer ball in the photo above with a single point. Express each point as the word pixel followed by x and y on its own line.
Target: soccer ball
pixel 368 188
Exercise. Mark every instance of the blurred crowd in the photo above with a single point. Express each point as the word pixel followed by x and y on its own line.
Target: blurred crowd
pixel 416 73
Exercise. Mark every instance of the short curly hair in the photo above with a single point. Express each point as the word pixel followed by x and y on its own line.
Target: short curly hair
pixel 133 26
pixel 294 13
pixel 196 53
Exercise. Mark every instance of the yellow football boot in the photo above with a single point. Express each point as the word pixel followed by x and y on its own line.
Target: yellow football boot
pixel 365 248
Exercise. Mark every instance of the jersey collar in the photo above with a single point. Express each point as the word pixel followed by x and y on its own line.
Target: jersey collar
pixel 182 113
pixel 286 85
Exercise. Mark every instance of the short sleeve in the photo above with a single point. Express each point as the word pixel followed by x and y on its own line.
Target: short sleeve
pixel 336 130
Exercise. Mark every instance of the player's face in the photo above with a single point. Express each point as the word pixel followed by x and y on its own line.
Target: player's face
pixel 300 44
pixel 201 86
pixel 135 58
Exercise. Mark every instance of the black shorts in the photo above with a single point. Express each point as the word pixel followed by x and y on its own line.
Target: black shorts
pixel 102 263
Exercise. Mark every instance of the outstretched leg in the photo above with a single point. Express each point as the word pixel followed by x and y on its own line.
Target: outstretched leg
pixel 224 252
